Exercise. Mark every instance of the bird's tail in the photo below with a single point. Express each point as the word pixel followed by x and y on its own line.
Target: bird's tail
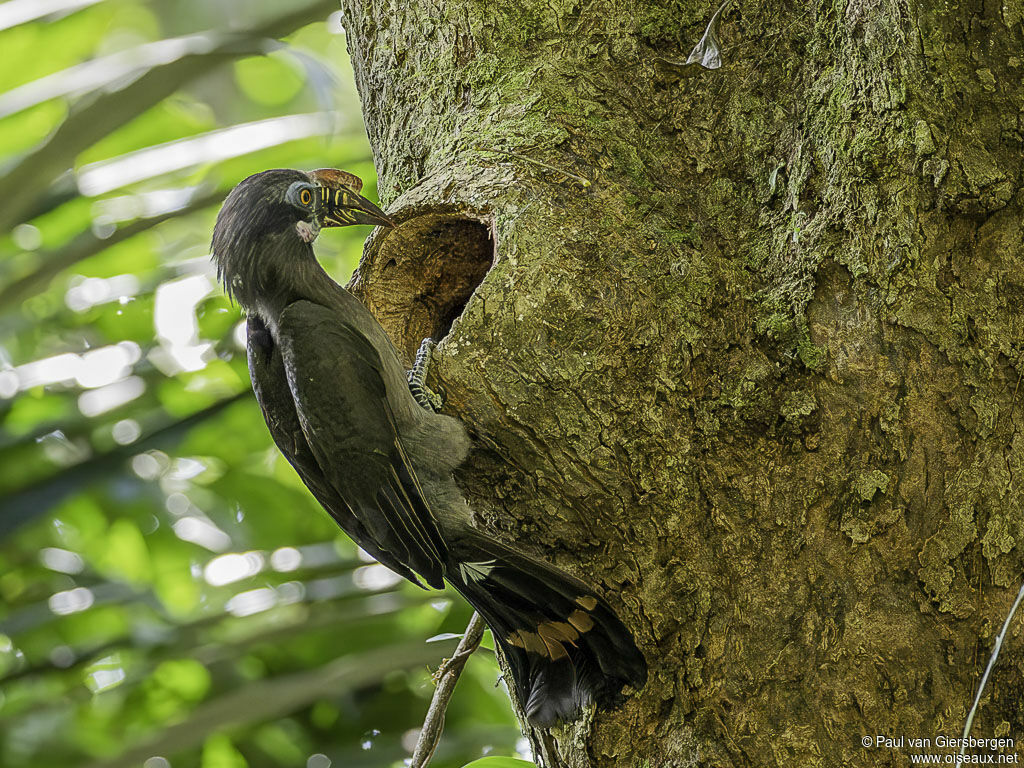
pixel 564 645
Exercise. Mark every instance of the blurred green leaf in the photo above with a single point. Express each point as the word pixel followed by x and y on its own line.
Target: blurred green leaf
pixel 40 497
pixel 168 587
pixel 86 244
pixel 219 752
pixel 125 556
pixel 266 699
pixel 269 79
pixel 89 121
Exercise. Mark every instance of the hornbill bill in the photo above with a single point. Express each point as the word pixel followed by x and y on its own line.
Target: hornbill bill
pixel 341 408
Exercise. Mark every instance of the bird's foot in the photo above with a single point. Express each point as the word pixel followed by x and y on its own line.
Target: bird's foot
pixel 418 378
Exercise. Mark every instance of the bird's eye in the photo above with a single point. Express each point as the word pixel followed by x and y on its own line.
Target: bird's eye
pixel 300 194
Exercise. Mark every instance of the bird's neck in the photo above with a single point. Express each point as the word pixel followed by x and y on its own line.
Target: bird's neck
pixel 286 271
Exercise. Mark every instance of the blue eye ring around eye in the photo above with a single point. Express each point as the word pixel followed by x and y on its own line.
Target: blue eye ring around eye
pixel 301 195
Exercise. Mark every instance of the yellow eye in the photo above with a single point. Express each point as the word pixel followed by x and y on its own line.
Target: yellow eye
pixel 305 197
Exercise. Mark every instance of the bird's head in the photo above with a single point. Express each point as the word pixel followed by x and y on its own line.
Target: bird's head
pixel 271 218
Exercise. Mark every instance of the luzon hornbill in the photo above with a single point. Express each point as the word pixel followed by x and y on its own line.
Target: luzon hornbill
pixel 361 434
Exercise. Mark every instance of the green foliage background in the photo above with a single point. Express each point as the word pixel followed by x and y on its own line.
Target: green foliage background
pixel 169 592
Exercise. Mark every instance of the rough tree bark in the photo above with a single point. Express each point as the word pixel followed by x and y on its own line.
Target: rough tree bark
pixel 748 355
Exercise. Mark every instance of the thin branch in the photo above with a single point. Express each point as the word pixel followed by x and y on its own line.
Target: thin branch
pixel 447 676
pixel 988 669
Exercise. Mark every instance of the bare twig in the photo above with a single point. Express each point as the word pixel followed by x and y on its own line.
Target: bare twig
pixel 447 676
pixel 988 669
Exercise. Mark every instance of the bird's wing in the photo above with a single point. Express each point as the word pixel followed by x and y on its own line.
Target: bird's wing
pixel 334 374
pixel 266 368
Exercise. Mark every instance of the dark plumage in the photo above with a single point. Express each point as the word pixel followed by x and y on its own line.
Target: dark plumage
pixel 337 401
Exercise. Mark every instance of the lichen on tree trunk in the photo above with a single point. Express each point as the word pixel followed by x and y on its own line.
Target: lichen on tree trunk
pixel 748 357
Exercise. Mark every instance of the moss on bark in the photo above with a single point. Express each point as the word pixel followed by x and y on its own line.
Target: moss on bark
pixel 749 352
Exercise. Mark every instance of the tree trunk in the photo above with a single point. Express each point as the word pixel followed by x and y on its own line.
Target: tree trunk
pixel 748 355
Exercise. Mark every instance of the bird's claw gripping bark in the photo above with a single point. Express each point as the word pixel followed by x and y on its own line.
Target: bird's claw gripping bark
pixel 418 378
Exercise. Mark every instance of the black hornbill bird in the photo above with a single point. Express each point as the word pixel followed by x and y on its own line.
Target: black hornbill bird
pixel 340 407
